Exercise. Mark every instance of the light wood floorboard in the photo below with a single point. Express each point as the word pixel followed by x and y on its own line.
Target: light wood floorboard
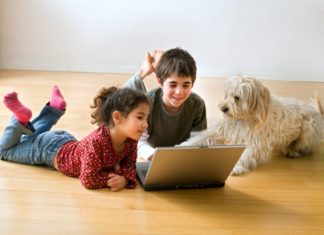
pixel 284 196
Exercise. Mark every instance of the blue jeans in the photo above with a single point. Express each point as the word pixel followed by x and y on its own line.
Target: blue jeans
pixel 34 144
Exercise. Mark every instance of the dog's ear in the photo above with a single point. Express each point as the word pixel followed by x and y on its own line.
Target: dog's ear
pixel 262 101
pixel 258 97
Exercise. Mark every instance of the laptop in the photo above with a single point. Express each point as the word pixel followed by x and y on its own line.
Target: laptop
pixel 185 167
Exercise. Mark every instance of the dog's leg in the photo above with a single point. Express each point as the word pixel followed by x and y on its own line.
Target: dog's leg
pixel 306 142
pixel 300 147
pixel 250 159
pixel 205 138
pixel 213 135
pixel 243 164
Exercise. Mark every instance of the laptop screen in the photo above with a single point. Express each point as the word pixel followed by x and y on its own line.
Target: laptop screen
pixel 179 167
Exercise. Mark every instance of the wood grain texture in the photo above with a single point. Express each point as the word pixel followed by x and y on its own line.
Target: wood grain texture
pixel 284 196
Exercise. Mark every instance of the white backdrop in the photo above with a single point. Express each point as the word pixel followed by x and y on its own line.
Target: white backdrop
pixel 277 39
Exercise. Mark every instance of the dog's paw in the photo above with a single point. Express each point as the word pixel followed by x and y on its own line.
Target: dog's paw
pixel 238 170
pixel 292 154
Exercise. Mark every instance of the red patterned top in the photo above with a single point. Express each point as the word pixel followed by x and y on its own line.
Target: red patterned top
pixel 93 158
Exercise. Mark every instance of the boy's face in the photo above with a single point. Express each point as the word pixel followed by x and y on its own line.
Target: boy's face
pixel 176 91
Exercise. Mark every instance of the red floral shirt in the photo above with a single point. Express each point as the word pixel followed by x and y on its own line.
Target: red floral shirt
pixel 93 158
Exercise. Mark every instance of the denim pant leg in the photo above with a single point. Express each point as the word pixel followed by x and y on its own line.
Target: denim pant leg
pixel 33 148
pixel 11 146
pixel 13 133
pixel 47 118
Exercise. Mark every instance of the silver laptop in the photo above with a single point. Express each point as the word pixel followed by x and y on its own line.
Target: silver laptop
pixel 188 167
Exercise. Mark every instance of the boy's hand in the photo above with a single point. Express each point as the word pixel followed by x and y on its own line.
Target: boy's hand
pixel 147 67
pixel 156 55
pixel 150 63
pixel 116 182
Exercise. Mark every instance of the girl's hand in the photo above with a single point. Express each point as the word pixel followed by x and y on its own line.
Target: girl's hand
pixel 116 182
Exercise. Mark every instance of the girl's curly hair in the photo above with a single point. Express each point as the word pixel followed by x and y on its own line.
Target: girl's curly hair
pixel 108 100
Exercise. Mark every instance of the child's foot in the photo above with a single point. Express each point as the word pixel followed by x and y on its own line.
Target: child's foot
pixel 21 113
pixel 57 100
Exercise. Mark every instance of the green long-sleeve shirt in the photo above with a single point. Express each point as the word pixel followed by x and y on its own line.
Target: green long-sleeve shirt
pixel 169 128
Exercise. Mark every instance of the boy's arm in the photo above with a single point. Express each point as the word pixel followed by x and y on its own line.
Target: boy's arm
pixel 195 133
pixel 136 83
pixel 148 67
pixel 150 63
pixel 144 150
pixel 200 121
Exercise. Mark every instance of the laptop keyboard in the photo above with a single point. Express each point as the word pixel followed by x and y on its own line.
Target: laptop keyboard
pixel 186 186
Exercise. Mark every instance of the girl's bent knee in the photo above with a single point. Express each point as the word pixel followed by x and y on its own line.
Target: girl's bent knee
pixel 4 146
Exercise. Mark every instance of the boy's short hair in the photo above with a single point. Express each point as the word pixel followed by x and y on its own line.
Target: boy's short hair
pixel 176 61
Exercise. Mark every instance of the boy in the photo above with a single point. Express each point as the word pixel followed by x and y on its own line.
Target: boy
pixel 176 112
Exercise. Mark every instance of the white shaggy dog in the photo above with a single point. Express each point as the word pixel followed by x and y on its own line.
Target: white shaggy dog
pixel 264 123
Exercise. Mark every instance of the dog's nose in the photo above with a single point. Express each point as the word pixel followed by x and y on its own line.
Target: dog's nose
pixel 224 109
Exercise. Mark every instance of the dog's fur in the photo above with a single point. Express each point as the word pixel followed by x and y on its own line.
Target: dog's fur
pixel 264 123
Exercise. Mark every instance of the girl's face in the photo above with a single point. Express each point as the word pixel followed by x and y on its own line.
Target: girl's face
pixel 176 91
pixel 135 123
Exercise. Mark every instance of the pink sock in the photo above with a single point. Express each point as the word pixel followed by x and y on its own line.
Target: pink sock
pixel 21 113
pixel 57 100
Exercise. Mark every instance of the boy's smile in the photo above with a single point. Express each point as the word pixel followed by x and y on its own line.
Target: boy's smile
pixel 176 91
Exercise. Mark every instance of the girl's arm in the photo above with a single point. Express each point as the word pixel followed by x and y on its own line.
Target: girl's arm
pixel 128 165
pixel 116 182
pixel 92 176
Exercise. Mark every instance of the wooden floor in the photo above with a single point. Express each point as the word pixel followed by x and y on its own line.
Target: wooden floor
pixel 284 196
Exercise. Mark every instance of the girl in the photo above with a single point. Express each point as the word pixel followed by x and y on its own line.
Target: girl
pixel 105 158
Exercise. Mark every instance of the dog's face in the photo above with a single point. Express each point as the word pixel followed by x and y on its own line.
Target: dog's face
pixel 245 98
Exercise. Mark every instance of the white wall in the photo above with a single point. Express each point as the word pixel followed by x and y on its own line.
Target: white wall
pixel 274 39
